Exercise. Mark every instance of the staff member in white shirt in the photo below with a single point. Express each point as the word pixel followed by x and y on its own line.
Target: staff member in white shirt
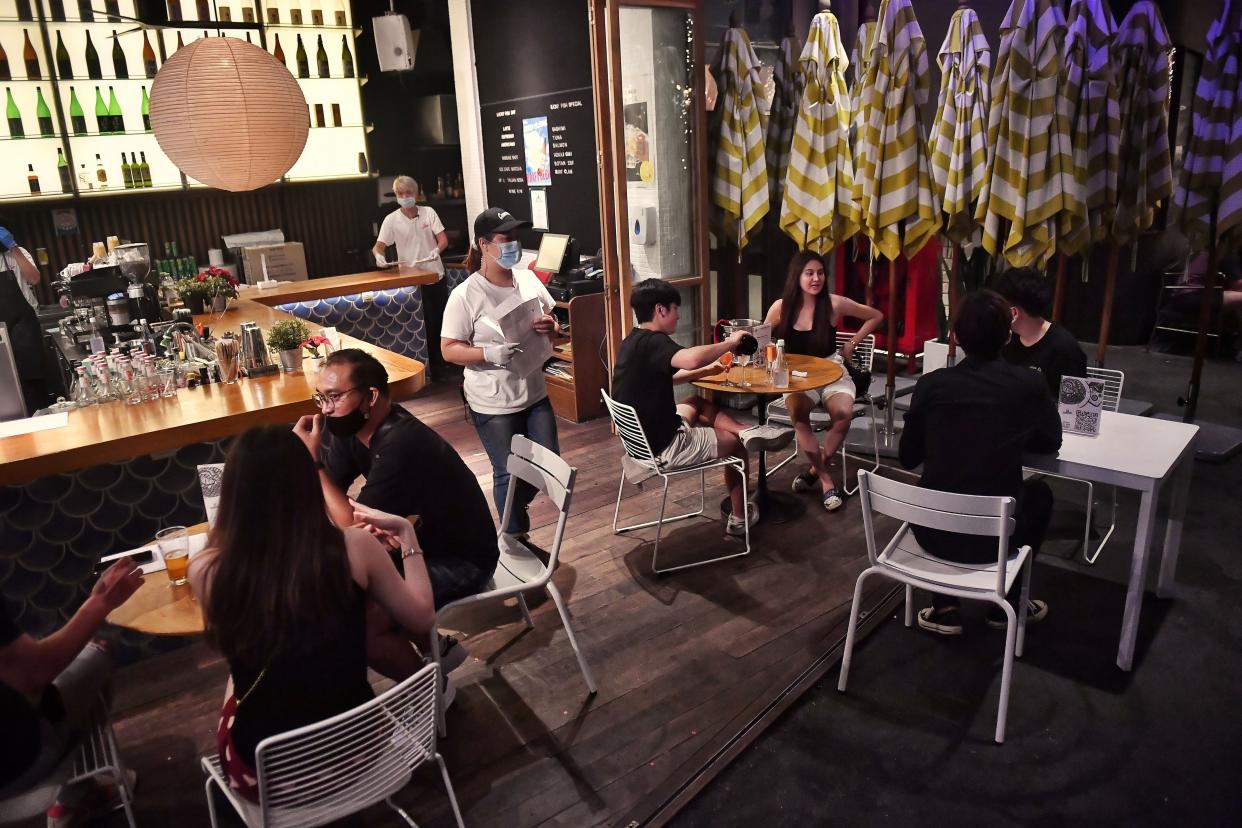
pixel 501 401
pixel 18 275
pixel 420 238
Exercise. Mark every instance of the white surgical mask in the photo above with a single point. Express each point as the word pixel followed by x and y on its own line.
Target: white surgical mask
pixel 407 203
pixel 510 254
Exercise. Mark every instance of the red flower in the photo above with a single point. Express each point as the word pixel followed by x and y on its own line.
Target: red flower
pixel 202 277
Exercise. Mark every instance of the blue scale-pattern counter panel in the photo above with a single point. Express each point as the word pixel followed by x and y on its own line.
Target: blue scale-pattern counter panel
pixel 392 318
pixel 54 530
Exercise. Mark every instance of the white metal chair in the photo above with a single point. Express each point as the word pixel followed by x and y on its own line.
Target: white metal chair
pixel 519 570
pixel 904 560
pixel 638 448
pixel 321 772
pixel 864 355
pixel 95 759
pixel 1113 382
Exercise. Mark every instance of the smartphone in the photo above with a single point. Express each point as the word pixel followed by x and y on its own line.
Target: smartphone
pixel 142 556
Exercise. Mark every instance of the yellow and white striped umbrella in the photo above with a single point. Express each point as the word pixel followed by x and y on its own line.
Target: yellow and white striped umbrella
pixel 1211 174
pixel 782 116
pixel 740 183
pixel 959 152
pixel 860 59
pixel 892 172
pixel 1095 115
pixel 1146 171
pixel 1030 188
pixel 818 211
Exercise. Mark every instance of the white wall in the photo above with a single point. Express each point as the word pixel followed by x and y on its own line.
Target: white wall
pixel 468 123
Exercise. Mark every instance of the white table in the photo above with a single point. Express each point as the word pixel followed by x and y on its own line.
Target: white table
pixel 1140 453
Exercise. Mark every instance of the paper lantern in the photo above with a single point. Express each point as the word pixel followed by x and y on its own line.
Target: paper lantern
pixel 228 114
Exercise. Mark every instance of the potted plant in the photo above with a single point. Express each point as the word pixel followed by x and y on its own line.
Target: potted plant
pixel 215 285
pixel 313 346
pixel 285 338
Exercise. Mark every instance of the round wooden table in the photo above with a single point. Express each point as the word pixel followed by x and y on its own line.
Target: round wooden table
pixel 159 608
pixel 776 507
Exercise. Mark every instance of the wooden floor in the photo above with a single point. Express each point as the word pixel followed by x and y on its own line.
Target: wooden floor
pixel 683 661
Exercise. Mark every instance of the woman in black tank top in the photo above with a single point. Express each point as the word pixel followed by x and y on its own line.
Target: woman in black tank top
pixel 806 317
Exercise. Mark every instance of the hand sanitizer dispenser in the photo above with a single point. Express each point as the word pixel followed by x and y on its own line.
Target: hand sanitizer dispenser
pixel 643 225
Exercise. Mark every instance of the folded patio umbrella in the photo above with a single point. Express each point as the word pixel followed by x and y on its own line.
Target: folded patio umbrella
pixel 860 57
pixel 740 179
pixel 818 211
pixel 787 80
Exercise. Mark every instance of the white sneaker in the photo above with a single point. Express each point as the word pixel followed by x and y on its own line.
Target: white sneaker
pixel 766 438
pixel 513 544
pixel 734 525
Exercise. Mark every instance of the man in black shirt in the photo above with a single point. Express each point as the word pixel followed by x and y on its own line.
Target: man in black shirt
pixel 693 431
pixel 1046 346
pixel 410 470
pixel 969 426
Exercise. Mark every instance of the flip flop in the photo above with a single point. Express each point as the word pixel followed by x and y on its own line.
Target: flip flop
pixel 833 500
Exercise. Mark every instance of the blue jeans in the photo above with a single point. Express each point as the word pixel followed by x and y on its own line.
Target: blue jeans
pixel 537 422
pixel 455 578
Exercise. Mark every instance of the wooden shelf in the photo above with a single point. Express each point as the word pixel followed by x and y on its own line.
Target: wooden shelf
pixel 577 397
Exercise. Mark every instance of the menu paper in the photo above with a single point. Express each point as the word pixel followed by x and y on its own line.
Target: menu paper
pixel 515 319
pixel 1080 402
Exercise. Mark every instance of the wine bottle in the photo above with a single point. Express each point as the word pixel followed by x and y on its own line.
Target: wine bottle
pixel 226 14
pixel 127 172
pixel 101 113
pixel 85 12
pixel 64 66
pixel 14 116
pixel 119 66
pixel 278 52
pixel 336 114
pixel 43 115
pixel 248 37
pixel 115 118
pixel 62 169
pixel 23 10
pixel 347 59
pixel 58 10
pixel 148 56
pixel 247 14
pixel 113 9
pixel 273 16
pixel 146 110
pixel 31 58
pixel 5 74
pixel 339 14
pixel 180 42
pixel 321 60
pixel 145 171
pixel 101 175
pixel 319 122
pixel 303 64
pixel 203 8
pixel 77 118
pixel 316 13
pixel 174 10
pixel 92 59
pixel 295 16
pixel 33 180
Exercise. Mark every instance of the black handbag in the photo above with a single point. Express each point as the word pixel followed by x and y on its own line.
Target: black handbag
pixel 861 378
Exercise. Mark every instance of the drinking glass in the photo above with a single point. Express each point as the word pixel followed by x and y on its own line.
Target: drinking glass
pixel 151 386
pixel 744 361
pixel 168 383
pixel 726 359
pixel 174 546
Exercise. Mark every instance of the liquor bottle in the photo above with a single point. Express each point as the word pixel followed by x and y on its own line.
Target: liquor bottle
pixel 247 14
pixel 144 171
pixel 113 9
pixel 77 118
pixel 44 115
pixel 146 110
pixel 148 56
pixel 127 172
pixel 31 59
pixel 203 8
pixel 336 114
pixel 62 169
pixel 58 10
pixel 273 16
pixel 84 180
pixel 248 37
pixel 347 59
pixel 14 117
pixel 104 124
pixel 303 64
pixel 295 16
pixel 339 14
pixel 180 42
pixel 278 52
pixel 226 14
pixel 321 60
pixel 32 180
pixel 92 60
pixel 115 118
pixel 85 12
pixel 5 74
pixel 316 13
pixel 174 10
pixel 64 66
pixel 319 122
pixel 23 10
pixel 119 66
pixel 101 175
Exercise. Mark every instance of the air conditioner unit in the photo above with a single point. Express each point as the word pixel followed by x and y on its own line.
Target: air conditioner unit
pixel 395 42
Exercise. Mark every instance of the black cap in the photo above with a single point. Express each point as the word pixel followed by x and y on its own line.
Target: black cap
pixel 497 220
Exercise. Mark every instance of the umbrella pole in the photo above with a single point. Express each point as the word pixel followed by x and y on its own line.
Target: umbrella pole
pixel 955 275
pixel 1205 317
pixel 1058 301
pixel 890 339
pixel 1110 290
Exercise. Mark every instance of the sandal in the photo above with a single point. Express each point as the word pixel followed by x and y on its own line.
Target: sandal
pixel 833 500
pixel 804 482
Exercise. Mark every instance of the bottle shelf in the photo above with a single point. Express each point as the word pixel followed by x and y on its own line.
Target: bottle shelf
pixel 306 27
pixel 32 138
pixel 28 196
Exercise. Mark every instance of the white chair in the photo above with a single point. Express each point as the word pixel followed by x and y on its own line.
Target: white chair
pixel 1113 382
pixel 95 759
pixel 778 414
pixel 321 772
pixel 638 448
pixel 904 560
pixel 519 570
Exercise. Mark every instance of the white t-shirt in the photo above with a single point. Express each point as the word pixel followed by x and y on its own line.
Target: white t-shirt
pixel 8 262
pixel 415 237
pixel 493 389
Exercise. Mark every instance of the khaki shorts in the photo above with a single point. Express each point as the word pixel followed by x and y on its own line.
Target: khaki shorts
pixel 820 396
pixel 691 445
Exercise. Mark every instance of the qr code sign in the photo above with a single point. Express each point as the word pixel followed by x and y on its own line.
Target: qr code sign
pixel 1087 422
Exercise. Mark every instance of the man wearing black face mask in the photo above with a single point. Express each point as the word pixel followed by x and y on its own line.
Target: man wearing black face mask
pixel 409 469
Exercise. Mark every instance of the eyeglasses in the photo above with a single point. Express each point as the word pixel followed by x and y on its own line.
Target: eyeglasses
pixel 332 398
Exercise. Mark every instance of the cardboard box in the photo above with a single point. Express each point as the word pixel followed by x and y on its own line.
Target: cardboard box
pixel 285 262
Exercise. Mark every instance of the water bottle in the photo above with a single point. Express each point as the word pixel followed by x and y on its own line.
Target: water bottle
pixel 780 369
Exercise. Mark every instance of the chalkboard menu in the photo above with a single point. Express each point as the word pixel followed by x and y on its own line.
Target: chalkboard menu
pixel 533 65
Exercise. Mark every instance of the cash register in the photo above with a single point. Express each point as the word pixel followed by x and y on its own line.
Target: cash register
pixel 558 255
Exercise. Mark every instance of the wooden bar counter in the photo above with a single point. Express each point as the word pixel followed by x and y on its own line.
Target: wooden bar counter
pixel 116 431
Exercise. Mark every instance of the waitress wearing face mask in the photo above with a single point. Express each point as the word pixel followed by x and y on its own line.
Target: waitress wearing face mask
pixel 419 235
pixel 501 401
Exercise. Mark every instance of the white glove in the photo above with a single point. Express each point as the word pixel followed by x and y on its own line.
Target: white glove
pixel 380 261
pixel 499 354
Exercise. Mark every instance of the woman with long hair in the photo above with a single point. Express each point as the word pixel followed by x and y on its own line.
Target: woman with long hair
pixel 806 317
pixel 286 596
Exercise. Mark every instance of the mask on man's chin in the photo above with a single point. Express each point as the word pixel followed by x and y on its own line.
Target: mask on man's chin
pixel 346 425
